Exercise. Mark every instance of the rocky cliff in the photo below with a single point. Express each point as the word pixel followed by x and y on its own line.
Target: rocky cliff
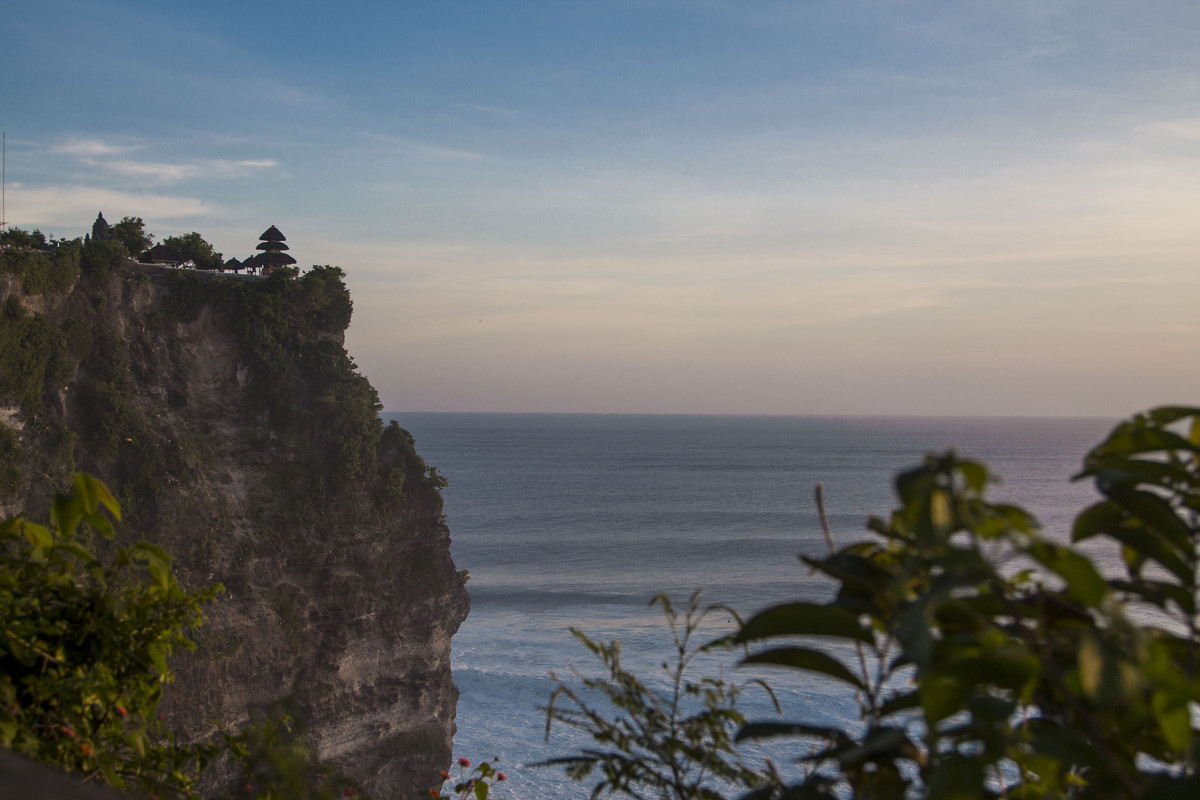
pixel 238 434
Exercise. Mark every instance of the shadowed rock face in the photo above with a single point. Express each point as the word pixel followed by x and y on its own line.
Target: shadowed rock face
pixel 228 418
pixel 22 779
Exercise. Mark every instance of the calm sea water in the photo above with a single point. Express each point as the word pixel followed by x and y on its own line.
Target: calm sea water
pixel 578 520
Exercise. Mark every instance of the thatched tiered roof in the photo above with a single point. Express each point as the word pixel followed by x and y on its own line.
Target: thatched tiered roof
pixel 161 254
pixel 272 255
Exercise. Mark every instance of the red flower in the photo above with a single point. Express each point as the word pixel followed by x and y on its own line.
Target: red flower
pixel 445 775
pixel 121 712
pixel 87 749
pixel 434 793
pixel 68 731
pixel 500 776
pixel 464 762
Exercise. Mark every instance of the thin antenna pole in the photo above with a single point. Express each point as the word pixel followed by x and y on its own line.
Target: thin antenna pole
pixel 4 183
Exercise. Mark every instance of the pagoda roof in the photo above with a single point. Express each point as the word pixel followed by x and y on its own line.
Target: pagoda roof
pixel 161 254
pixel 273 259
pixel 272 245
pixel 272 234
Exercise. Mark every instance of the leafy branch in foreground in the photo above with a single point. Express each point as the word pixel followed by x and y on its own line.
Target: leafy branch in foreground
pixel 466 785
pixel 83 648
pixel 673 744
pixel 83 662
pixel 998 663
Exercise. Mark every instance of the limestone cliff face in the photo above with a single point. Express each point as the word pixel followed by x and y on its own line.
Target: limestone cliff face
pixel 237 433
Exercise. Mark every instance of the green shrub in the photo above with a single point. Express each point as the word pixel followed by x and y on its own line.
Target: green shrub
pixel 992 661
pixel 103 258
pixel 84 644
pixel 131 233
pixel 678 744
pixel 193 247
pixel 34 358
pixel 186 296
pixel 16 237
pixel 43 272
pixel 83 661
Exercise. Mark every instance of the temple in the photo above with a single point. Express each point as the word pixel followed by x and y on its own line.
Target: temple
pixel 272 256
pixel 101 230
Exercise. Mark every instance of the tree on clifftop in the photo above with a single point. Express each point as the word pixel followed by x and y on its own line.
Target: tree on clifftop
pixel 17 237
pixel 131 232
pixel 192 247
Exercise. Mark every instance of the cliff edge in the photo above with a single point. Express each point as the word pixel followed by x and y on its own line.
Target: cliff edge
pixel 239 435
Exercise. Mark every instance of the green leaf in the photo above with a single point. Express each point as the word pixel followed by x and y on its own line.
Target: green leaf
pixel 92 494
pixel 805 619
pixel 1107 519
pixel 1159 593
pixel 912 630
pixel 76 549
pixel 852 569
pixel 65 513
pixel 1082 579
pixel 1174 720
pixel 38 535
pixel 8 732
pixel 975 474
pixel 941 696
pixel 1166 415
pixel 101 523
pixel 481 790
pixel 1096 520
pixel 893 742
pixel 1157 513
pixel 160 572
pixel 1091 665
pixel 900 702
pixel 806 659
pixel 1129 439
pixel 956 777
pixel 1148 544
pixel 771 730
pixel 1069 748
pixel 157 653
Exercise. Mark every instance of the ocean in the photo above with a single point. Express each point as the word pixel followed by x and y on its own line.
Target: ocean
pixel 580 519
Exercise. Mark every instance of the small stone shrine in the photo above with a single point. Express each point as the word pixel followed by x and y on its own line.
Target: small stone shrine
pixel 101 231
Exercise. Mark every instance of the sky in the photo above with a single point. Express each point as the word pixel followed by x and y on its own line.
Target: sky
pixel 937 208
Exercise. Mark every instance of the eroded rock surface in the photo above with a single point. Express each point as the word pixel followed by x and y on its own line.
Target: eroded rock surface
pixel 238 434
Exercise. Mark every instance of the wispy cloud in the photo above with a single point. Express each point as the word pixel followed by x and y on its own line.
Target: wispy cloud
pixel 69 209
pixel 216 169
pixel 91 148
pixel 97 152
pixel 1173 129
pixel 422 149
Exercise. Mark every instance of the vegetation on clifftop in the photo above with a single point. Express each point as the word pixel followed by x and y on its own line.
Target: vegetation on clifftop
pixel 289 328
